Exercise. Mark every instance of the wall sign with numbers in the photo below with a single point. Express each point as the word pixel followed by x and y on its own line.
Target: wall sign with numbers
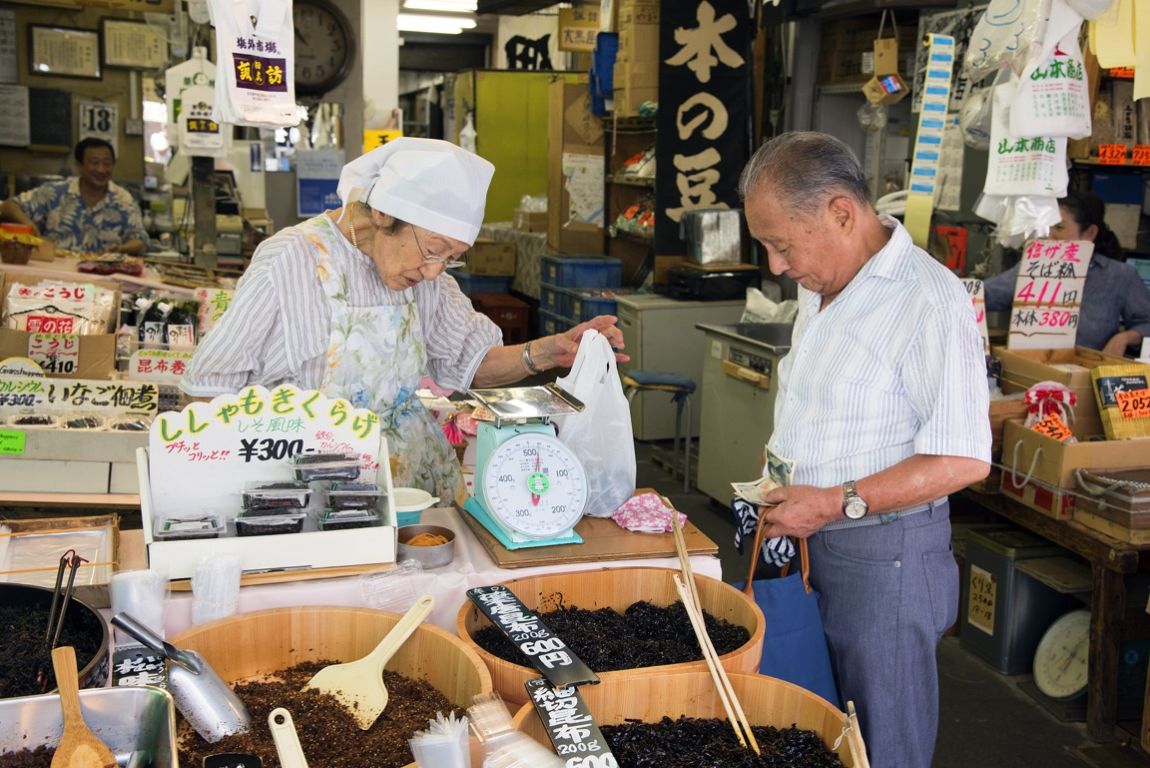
pixel 1048 294
pixel 100 120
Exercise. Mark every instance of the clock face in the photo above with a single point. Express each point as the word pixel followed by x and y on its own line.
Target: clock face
pixel 1060 663
pixel 324 46
pixel 535 485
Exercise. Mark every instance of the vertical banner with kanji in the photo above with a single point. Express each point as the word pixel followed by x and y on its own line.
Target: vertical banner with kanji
pixel 702 143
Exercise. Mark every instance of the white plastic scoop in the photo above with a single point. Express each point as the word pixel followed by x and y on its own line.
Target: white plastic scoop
pixel 359 684
pixel 288 748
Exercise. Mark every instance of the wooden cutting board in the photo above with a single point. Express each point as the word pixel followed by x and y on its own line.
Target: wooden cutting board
pixel 603 539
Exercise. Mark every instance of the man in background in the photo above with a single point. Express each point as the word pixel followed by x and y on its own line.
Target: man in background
pixel 87 213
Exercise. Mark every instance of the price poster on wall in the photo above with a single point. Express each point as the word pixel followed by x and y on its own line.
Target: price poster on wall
pixel 202 457
pixel 1048 294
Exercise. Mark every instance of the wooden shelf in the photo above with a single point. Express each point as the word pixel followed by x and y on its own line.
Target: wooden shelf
pixel 632 237
pixel 631 181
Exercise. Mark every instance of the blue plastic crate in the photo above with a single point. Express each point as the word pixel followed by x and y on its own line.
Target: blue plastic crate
pixel 551 323
pixel 588 303
pixel 550 297
pixel 582 271
pixel 469 283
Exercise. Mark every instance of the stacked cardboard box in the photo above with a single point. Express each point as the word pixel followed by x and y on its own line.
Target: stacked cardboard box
pixel 847 49
pixel 574 136
pixel 637 62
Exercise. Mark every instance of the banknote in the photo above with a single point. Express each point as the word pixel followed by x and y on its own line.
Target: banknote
pixel 756 490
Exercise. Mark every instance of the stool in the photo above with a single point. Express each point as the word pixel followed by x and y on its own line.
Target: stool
pixel 680 388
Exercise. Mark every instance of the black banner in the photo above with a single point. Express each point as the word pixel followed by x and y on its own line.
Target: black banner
pixel 547 653
pixel 702 143
pixel 570 726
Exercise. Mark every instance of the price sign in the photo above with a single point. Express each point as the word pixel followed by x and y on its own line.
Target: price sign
pixel 1134 404
pixel 55 352
pixel 1141 154
pixel 977 293
pixel 570 726
pixel 136 666
pixel 100 120
pixel 1048 293
pixel 1112 154
pixel 546 652
pixel 57 395
pixel 1053 427
pixel 1124 73
pixel 212 303
pixel 983 589
pixel 158 364
pixel 12 442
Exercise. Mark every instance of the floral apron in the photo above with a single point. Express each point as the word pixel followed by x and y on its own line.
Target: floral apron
pixel 375 360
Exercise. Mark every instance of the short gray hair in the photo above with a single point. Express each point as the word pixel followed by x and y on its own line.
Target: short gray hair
pixel 804 168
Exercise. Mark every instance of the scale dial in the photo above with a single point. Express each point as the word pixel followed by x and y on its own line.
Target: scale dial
pixel 535 486
pixel 1060 663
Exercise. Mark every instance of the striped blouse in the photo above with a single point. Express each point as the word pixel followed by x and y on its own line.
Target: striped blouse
pixel 891 368
pixel 278 325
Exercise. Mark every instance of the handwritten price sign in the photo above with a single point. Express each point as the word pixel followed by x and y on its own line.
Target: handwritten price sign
pixel 1134 404
pixel 1112 154
pixel 1141 154
pixel 1053 427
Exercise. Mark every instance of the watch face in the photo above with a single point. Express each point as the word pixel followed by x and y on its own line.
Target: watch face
pixel 855 508
pixel 324 46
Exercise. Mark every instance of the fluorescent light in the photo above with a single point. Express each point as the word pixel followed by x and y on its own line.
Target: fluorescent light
pixel 444 25
pixel 451 6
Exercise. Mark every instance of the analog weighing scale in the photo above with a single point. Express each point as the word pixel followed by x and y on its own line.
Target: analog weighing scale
pixel 530 489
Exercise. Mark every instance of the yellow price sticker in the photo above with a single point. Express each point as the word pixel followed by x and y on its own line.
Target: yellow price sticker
pixel 1134 404
pixel 1053 427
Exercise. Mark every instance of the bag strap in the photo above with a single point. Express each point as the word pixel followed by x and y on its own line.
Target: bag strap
pixel 760 536
pixel 882 24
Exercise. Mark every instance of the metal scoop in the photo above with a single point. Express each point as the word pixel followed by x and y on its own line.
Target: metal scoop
pixel 205 701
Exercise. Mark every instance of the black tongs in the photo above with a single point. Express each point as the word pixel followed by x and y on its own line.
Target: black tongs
pixel 70 562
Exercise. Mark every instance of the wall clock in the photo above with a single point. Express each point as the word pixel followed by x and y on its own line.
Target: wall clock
pixel 324 46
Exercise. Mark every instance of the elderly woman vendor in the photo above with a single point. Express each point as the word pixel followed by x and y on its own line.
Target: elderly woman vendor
pixel 356 303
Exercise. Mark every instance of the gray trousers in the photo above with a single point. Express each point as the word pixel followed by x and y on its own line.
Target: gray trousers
pixel 889 591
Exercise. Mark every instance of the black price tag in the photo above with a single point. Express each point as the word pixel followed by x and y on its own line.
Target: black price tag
pixel 570 726
pixel 231 760
pixel 138 666
pixel 547 653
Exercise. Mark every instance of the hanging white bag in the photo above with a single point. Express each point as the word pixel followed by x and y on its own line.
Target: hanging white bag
pixel 1004 35
pixel 1053 95
pixel 256 57
pixel 600 435
pixel 1027 164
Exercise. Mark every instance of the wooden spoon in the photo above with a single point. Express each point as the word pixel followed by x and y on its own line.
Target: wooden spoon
pixel 78 747
pixel 359 684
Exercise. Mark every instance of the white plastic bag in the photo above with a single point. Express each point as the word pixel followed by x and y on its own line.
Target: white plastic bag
pixel 1004 36
pixel 600 435
pixel 1022 165
pixel 256 57
pixel 1053 99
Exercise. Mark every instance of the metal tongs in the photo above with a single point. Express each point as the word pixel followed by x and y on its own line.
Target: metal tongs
pixel 70 562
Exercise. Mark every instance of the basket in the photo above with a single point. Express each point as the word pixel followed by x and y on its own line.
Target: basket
pixel 617 588
pixel 765 700
pixel 252 644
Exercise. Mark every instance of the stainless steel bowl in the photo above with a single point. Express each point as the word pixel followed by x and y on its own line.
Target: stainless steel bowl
pixel 429 557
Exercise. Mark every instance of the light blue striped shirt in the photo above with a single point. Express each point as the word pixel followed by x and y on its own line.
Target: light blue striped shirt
pixel 892 367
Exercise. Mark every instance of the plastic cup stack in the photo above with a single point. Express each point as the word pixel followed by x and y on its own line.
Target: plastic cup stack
pixel 215 587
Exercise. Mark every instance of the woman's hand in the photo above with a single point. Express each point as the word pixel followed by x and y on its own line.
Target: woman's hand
pixel 1120 341
pixel 562 347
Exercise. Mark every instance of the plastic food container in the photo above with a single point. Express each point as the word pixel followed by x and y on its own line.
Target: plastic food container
pixel 266 525
pixel 130 424
pixel 33 421
pixel 410 503
pixel 347 496
pixel 326 466
pixel 339 519
pixel 201 527
pixel 272 498
pixel 86 421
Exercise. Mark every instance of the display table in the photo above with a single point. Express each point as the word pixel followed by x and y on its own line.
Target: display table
pixel 472 567
pixel 67 268
pixel 1111 561
pixel 529 249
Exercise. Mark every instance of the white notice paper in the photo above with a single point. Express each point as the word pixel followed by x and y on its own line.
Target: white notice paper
pixel 9 72
pixel 14 116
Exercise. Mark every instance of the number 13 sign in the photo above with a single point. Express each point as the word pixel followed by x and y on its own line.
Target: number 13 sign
pixel 100 120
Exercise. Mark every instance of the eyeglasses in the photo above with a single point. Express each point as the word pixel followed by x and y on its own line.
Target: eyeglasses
pixel 450 261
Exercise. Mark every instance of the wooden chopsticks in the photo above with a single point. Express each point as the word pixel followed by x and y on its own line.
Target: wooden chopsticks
pixel 855 739
pixel 689 594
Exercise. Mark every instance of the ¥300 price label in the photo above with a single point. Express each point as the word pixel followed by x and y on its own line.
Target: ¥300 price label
pixel 1053 427
pixel 1134 404
pixel 269 449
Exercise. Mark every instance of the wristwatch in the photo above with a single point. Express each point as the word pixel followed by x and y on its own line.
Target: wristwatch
pixel 854 506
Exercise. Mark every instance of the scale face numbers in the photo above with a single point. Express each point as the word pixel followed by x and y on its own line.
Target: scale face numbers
pixel 1060 663
pixel 535 486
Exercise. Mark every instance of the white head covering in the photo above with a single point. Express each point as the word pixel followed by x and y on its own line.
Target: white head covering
pixel 426 182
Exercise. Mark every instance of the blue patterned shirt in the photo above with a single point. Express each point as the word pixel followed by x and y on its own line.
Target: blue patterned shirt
pixel 1114 298
pixel 60 213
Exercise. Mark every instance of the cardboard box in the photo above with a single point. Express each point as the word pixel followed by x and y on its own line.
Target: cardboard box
pixel 1023 368
pixel 97 352
pixel 628 100
pixel 1039 471
pixel 636 74
pixel 573 132
pixel 638 43
pixel 530 221
pixel 638 12
pixel 491 257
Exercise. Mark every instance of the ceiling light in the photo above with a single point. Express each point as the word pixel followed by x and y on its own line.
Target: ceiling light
pixel 451 6
pixel 444 25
